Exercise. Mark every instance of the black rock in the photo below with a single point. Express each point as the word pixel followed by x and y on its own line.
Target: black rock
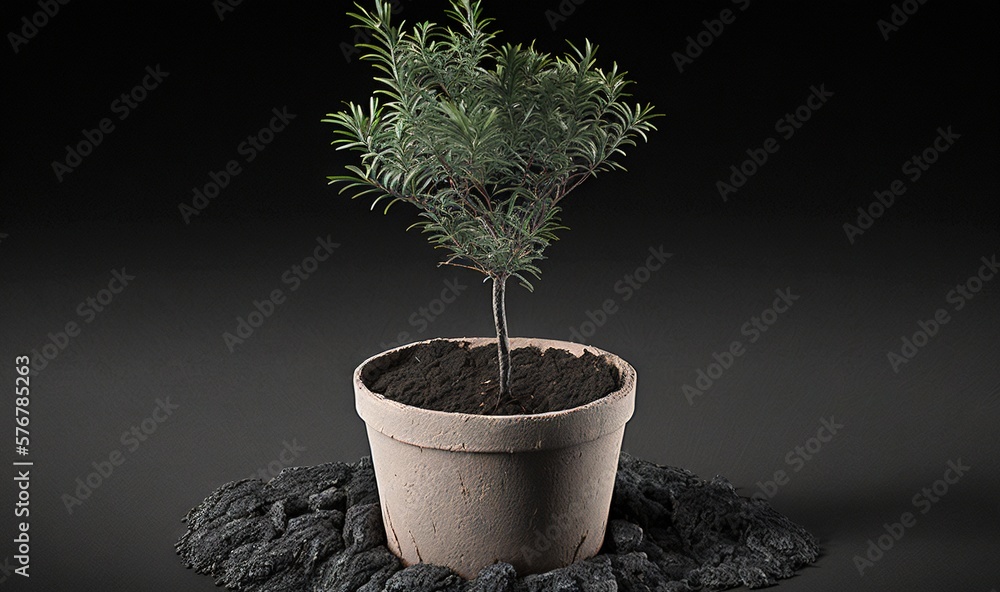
pixel 320 528
pixel 425 577
pixel 622 536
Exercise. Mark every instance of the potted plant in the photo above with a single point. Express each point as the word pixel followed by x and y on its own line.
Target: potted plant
pixel 483 457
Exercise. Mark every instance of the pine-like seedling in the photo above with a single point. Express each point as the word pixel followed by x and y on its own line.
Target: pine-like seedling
pixel 485 139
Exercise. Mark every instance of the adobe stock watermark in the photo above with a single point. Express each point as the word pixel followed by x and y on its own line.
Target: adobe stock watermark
pixel 293 277
pixel 957 297
pixel 913 168
pixel 290 451
pixel 898 16
pixel 32 24
pixel 123 106
pixel 424 316
pixel 131 440
pixel 923 501
pixel 224 7
pixel 753 329
pixel 741 172
pixel 249 149
pixel 558 527
pixel 626 287
pixel 797 458
pixel 712 30
pixel 362 36
pixel 87 310
pixel 562 12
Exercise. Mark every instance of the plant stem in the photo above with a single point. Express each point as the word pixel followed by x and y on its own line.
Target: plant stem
pixel 503 344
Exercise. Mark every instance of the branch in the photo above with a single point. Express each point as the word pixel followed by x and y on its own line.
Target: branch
pixel 580 178
pixel 462 265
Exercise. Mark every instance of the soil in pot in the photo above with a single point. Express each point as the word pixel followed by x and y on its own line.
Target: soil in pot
pixel 451 376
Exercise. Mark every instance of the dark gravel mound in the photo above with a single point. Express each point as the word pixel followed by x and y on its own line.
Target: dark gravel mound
pixel 319 529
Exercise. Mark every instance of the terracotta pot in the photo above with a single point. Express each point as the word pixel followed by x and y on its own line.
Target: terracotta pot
pixel 466 491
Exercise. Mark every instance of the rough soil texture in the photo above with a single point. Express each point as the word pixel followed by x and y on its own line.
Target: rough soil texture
pixel 320 529
pixel 451 376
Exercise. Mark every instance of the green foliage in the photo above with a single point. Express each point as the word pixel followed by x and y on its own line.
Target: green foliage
pixel 486 140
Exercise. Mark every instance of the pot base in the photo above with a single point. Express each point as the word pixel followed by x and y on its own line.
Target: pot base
pixel 546 505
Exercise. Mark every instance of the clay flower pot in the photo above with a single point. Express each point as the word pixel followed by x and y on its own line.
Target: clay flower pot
pixel 466 491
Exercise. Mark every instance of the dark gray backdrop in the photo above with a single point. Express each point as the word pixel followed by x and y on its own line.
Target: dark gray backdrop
pixel 283 396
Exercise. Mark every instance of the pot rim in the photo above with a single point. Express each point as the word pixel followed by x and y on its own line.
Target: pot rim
pixel 469 432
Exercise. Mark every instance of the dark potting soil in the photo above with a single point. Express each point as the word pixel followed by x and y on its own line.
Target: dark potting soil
pixel 320 528
pixel 455 377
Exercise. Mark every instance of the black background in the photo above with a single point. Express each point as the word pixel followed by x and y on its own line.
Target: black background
pixel 290 382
